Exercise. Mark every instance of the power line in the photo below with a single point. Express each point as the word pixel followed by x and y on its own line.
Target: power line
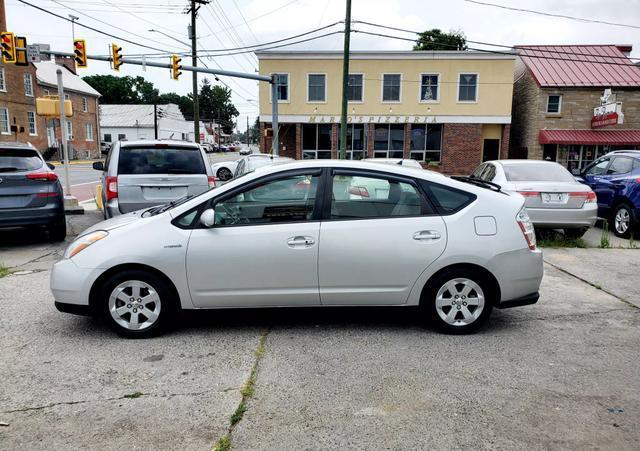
pixel 562 16
pixel 245 21
pixel 141 18
pixel 232 39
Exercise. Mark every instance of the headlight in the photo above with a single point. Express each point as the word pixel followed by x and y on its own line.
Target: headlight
pixel 84 242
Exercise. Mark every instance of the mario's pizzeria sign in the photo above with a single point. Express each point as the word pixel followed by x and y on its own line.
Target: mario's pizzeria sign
pixel 373 119
pixel 608 113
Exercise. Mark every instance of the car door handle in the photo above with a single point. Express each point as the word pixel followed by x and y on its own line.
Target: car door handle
pixel 426 235
pixel 296 241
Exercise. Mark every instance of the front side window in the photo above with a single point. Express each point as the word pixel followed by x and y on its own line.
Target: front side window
pixel 288 199
pixel 370 197
pixel 388 141
pixel 316 141
pixel 554 103
pixel 391 87
pixel 4 121
pixel 317 88
pixel 620 165
pixel 31 121
pixel 468 88
pixel 28 85
pixel 88 129
pixel 426 142
pixel 599 168
pixel 355 88
pixel 282 87
pixel 429 88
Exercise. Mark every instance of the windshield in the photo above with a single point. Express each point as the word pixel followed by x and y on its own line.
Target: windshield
pixel 160 160
pixel 537 172
pixel 19 160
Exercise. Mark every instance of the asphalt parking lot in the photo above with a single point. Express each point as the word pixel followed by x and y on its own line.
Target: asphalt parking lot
pixel 560 374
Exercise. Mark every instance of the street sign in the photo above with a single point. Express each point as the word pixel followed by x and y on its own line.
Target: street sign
pixel 42 52
pixel 33 53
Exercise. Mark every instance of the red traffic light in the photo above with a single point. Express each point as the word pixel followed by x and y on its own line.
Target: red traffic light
pixel 6 38
pixel 79 45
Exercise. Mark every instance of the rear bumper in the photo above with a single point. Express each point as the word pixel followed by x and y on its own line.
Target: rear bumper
pixel 519 302
pixel 564 218
pixel 16 217
pixel 519 273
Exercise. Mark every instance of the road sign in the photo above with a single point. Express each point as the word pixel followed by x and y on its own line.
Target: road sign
pixel 33 53
pixel 39 51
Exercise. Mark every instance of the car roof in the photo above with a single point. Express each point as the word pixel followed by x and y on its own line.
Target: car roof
pixel 510 162
pixel 151 142
pixel 16 145
pixel 625 153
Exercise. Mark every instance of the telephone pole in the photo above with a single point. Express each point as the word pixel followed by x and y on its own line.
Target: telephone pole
pixel 193 9
pixel 345 83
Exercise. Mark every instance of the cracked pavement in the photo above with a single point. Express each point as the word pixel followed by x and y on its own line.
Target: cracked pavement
pixel 560 374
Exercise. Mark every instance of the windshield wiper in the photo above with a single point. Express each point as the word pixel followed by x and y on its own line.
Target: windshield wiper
pixel 478 182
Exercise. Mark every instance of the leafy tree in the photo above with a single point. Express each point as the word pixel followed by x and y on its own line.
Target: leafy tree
pixel 435 39
pixel 185 103
pixel 215 105
pixel 126 90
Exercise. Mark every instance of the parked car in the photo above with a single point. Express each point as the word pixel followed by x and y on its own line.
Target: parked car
pixel 553 197
pixel 399 161
pixel 455 249
pixel 145 173
pixel 257 160
pixel 224 170
pixel 615 178
pixel 30 192
pixel 245 150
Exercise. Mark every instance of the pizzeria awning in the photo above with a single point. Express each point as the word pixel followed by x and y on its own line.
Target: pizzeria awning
pixel 591 137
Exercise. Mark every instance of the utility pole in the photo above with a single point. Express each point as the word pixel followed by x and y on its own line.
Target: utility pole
pixel 248 141
pixel 345 83
pixel 155 119
pixel 195 5
pixel 70 202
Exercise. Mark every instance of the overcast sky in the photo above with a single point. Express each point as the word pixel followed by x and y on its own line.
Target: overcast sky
pixel 222 25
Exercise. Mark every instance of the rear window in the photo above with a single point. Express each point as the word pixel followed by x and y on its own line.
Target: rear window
pixel 164 160
pixel 19 160
pixel 532 172
pixel 446 199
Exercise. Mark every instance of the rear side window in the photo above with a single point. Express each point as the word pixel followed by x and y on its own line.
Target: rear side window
pixel 446 199
pixel 163 160
pixel 19 160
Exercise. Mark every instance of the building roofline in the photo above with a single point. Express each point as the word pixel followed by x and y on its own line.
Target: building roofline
pixel 383 54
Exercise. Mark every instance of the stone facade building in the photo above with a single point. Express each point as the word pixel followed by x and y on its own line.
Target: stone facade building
pixel 555 93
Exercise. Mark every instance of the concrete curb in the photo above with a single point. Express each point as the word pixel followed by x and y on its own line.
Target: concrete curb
pixel 58 163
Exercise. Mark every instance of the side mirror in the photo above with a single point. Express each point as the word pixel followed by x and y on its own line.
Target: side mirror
pixel 208 218
pixel 50 166
pixel 98 166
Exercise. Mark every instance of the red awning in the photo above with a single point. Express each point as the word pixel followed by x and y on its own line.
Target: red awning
pixel 591 137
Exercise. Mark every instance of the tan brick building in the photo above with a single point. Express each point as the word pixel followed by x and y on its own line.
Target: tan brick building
pixel 555 93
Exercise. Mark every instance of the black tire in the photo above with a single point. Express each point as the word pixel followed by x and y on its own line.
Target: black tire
pixel 224 174
pixel 429 301
pixel 621 211
pixel 58 230
pixel 168 304
pixel 575 233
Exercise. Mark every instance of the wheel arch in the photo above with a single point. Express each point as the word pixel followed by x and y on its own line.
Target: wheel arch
pixel 488 275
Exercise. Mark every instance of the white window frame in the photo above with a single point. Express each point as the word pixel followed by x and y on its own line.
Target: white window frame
pixel 477 87
pixel 35 123
pixel 69 130
pixel 325 87
pixel 288 87
pixel 85 105
pixel 5 111
pixel 559 104
pixel 88 127
pixel 382 88
pixel 27 76
pixel 3 85
pixel 437 99
pixel 47 92
pixel 363 82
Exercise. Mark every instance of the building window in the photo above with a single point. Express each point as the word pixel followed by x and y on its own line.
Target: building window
pixel 88 130
pixel 426 142
pixel 69 130
pixel 388 141
pixel 316 141
pixel 46 92
pixel 4 121
pixel 28 85
pixel 282 87
pixel 122 136
pixel 355 88
pixel 85 105
pixel 67 97
pixel 107 137
pixel 391 87
pixel 468 88
pixel 356 141
pixel 316 88
pixel 31 121
pixel 3 85
pixel 554 104
pixel 429 87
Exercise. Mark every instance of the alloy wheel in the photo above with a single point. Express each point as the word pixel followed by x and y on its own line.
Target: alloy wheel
pixel 460 302
pixel 134 305
pixel 622 220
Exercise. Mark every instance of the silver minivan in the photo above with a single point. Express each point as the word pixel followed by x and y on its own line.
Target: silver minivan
pixel 145 173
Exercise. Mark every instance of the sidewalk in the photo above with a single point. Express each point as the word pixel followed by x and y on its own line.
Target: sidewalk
pixel 72 162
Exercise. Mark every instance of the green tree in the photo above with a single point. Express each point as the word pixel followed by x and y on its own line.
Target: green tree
pixel 125 90
pixel 215 105
pixel 435 39
pixel 185 103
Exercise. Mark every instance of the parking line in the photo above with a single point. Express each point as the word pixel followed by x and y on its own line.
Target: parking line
pixel 86 183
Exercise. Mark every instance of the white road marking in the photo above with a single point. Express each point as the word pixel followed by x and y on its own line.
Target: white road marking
pixel 86 183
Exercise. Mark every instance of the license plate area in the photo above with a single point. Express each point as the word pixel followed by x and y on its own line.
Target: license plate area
pixel 163 192
pixel 554 198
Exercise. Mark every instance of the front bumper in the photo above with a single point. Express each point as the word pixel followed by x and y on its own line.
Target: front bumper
pixel 71 284
pixel 564 218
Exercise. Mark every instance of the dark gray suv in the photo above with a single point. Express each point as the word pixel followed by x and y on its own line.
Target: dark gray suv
pixel 30 192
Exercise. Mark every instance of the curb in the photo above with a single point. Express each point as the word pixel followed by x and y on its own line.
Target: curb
pixel 58 163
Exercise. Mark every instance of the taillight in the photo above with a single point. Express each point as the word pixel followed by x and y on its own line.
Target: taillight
pixel 359 191
pixel 588 196
pixel 212 181
pixel 43 176
pixel 527 228
pixel 54 194
pixel 112 187
pixel 529 193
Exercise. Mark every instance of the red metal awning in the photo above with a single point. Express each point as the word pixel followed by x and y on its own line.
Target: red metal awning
pixel 591 137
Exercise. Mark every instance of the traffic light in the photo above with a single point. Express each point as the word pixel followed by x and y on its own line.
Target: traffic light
pixel 116 57
pixel 8 47
pixel 176 67
pixel 80 51
pixel 21 51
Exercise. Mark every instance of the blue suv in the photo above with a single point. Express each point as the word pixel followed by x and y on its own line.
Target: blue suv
pixel 615 178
